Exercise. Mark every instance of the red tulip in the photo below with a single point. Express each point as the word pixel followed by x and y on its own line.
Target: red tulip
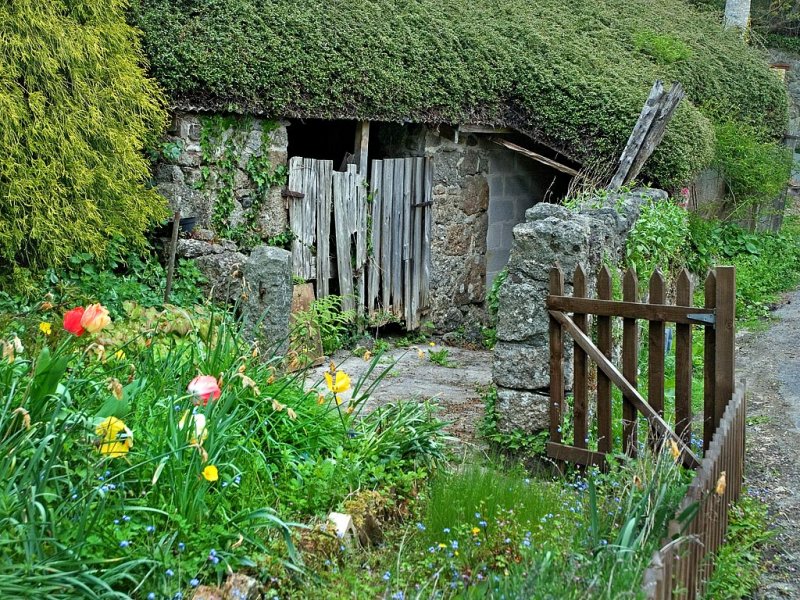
pixel 72 321
pixel 204 387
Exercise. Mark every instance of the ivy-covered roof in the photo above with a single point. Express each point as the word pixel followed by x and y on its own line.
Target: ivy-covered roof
pixel 572 74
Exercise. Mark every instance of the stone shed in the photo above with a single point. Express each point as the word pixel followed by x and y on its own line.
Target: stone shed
pixel 252 179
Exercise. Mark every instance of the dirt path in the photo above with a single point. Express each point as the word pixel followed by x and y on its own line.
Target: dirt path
pixel 770 361
pixel 411 375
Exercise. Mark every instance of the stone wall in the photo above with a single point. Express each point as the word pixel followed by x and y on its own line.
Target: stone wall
pixel 180 179
pixel 551 234
pixel 793 128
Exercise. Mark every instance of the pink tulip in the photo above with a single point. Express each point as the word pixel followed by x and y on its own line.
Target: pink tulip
pixel 204 387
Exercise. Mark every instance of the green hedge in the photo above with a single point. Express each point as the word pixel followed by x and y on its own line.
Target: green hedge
pixel 76 110
pixel 572 73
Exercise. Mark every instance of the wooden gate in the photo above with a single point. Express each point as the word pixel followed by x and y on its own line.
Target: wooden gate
pixel 381 231
pixel 717 316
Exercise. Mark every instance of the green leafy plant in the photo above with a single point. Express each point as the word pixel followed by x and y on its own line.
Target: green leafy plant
pixel 665 49
pixel 78 111
pixel 657 239
pixel 441 358
pixel 325 318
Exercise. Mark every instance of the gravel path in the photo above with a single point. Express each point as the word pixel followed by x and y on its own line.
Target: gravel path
pixel 770 362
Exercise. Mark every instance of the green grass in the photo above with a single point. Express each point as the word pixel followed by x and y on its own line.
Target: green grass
pixel 739 562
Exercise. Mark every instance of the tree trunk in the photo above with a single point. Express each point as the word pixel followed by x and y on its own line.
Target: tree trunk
pixel 737 14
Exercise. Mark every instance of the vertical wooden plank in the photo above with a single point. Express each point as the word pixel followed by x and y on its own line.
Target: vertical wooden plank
pixel 408 199
pixel 295 215
pixel 683 363
pixel 325 191
pixel 725 361
pixel 386 233
pixel 556 360
pixel 361 231
pixel 630 359
pixel 416 240
pixel 342 212
pixel 362 147
pixel 580 410
pixel 397 237
pixel 655 351
pixel 709 363
pixel 375 235
pixel 605 442
pixel 427 227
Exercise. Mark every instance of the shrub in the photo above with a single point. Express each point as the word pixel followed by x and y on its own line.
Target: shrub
pixel 76 110
pixel 657 239
pixel 756 169
pixel 567 73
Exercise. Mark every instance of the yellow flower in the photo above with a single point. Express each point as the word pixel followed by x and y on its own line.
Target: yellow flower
pixel 673 448
pixel 338 382
pixel 432 344
pixel 210 473
pixel 46 328
pixel 367 355
pixel 115 438
pixel 442 545
pixel 721 484
pixel 291 413
pixel 476 530
pixel 119 355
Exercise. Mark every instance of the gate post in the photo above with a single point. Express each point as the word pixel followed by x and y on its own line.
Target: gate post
pixel 725 352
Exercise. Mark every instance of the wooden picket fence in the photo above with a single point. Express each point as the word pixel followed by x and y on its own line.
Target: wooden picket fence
pixel 716 316
pixel 683 566
pixel 685 562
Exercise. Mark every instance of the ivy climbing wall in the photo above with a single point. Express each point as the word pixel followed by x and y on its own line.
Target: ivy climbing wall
pixel 227 171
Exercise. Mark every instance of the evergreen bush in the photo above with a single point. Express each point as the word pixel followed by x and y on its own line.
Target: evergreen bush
pixel 76 110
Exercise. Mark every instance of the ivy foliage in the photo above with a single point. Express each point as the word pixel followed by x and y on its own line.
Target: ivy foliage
pixel 76 110
pixel 573 74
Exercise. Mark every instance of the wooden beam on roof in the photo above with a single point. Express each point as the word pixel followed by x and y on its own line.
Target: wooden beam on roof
pixel 472 128
pixel 537 157
pixel 362 147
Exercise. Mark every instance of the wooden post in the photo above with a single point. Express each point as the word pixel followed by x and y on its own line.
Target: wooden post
pixel 173 248
pixel 630 364
pixel 709 364
pixel 725 360
pixel 556 358
pixel 604 344
pixel 655 363
pixel 683 363
pixel 580 386
pixel 362 147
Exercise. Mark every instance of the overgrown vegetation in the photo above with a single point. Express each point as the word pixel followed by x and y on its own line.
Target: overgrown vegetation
pixel 536 66
pixel 76 112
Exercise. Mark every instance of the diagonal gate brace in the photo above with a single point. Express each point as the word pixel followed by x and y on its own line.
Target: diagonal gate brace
pixel 630 392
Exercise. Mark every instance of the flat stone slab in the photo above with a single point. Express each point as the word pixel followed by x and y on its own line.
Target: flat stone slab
pixel 457 391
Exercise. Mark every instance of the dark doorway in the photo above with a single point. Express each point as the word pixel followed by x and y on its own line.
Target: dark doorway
pixel 322 139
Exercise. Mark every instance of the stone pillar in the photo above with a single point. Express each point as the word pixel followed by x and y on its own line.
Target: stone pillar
pixel 267 298
pixel 552 234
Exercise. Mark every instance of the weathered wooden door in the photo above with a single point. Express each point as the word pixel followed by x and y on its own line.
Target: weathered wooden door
pixel 399 266
pixel 382 233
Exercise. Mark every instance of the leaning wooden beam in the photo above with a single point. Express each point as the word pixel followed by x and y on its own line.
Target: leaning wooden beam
pixel 648 131
pixel 657 130
pixel 580 338
pixel 537 157
pixel 473 128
